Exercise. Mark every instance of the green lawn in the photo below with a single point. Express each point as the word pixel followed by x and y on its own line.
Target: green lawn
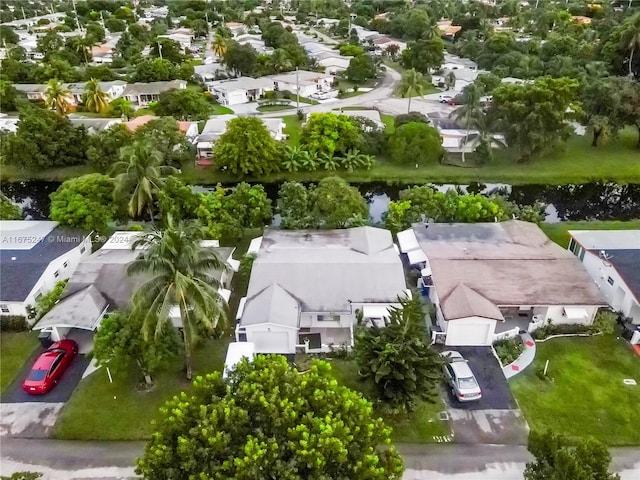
pixel 587 396
pixel 11 173
pixel 100 410
pixel 293 128
pixel 221 110
pixel 15 349
pixel 558 232
pixel 418 427
pixel 274 108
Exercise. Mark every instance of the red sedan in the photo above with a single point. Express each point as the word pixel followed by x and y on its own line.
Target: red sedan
pixel 50 366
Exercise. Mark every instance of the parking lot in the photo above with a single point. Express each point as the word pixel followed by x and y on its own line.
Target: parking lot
pixel 495 418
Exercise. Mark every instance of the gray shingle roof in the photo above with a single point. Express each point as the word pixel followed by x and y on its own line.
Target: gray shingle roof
pixel 465 302
pixel 80 310
pixel 272 305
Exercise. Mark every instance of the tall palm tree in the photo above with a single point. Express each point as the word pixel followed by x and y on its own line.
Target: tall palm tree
pixel 57 97
pixel 280 60
pixel 140 173
pixel 94 98
pixel 182 274
pixel 412 83
pixel 469 112
pixel 219 45
pixel 633 34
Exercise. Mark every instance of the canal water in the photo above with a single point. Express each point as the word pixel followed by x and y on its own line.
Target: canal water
pixel 589 201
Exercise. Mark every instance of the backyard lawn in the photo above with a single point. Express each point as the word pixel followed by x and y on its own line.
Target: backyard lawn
pixel 587 396
pixel 559 232
pixel 15 349
pixel 99 410
pixel 418 427
pixel 220 110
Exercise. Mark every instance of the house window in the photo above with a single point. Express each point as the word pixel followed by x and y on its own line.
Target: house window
pixel 610 281
pixel 242 337
pixel 65 264
pixel 82 250
pixel 328 318
pixel 4 308
pixel 56 274
pixel 572 246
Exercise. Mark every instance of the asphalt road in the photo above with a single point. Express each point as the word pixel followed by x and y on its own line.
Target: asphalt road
pixel 58 459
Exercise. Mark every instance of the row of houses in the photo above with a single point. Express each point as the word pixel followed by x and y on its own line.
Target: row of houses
pixel 308 290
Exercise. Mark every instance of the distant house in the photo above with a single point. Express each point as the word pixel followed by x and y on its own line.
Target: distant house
pixel 488 281
pixel 208 72
pixel 373 115
pixel 101 283
pixel 34 256
pixel 216 126
pixel 94 125
pixel 36 91
pixel 182 37
pixel 612 258
pixel 332 62
pixel 142 94
pixel 101 54
pixel 255 41
pixel 447 29
pixel 309 82
pixel 240 90
pixel 236 28
pixel 308 288
pixel 8 124
pixel 190 129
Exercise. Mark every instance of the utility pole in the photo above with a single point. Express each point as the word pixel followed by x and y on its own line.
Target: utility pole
pixel 24 17
pixel 76 14
pixel 160 49
pixel 297 91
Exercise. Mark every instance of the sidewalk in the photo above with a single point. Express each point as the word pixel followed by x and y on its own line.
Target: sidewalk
pixel 524 360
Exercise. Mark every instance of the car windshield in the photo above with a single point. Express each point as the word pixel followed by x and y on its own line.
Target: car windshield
pixel 37 375
pixel 468 382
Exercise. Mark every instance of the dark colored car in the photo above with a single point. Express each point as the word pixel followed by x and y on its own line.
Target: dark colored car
pixel 49 367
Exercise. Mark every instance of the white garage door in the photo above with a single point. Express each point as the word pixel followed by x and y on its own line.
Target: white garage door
pixel 468 334
pixel 270 342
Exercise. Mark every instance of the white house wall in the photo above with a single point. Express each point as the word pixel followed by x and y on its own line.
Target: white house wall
pixel 618 295
pixel 557 316
pixel 470 331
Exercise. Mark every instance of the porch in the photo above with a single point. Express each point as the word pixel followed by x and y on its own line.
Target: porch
pixel 519 319
pixel 323 340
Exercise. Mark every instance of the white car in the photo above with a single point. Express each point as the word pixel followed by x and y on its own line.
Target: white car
pixel 445 98
pixel 460 377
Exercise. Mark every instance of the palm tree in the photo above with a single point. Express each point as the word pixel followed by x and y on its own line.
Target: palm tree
pixel 291 161
pixel 412 83
pixel 633 34
pixel 469 112
pixel 94 98
pixel 182 274
pixel 485 125
pixel 219 45
pixel 280 60
pixel 140 174
pixel 57 97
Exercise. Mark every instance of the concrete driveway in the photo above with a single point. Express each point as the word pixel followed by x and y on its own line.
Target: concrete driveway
pixel 495 418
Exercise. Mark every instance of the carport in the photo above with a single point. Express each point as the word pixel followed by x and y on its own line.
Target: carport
pixel 75 315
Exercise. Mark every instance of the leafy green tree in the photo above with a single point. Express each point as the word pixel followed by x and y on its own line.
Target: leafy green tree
pixel 410 117
pixel 139 176
pixel 412 84
pixel 330 134
pixel 96 33
pixel 183 104
pixel 556 459
pixel 294 206
pixel 8 209
pixel 103 150
pixel 177 200
pixel 360 68
pixel 602 107
pixel 415 144
pixel 121 107
pixel 349 50
pixel 268 421
pixel 85 202
pixel 44 139
pixel 631 37
pixel 423 55
pixel 535 117
pixel 57 97
pixel 120 343
pixel 166 137
pixel 155 70
pixel 8 36
pixel 338 205
pixel 397 358
pixel 23 476
pixel 8 96
pixel 241 59
pixel 630 92
pixel 247 148
pixel 94 98
pixel 49 43
pixel 167 49
pixel 115 25
pixel 182 274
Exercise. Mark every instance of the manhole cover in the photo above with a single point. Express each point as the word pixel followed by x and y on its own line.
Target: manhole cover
pixel 444 416
pixel 629 381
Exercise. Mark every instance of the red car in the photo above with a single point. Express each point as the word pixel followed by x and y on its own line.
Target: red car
pixel 50 366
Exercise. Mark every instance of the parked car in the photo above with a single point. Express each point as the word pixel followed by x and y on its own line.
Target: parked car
pixel 49 367
pixel 460 377
pixel 457 100
pixel 445 98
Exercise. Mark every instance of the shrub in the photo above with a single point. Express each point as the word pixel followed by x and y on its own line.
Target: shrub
pixel 605 322
pixel 565 329
pixel 509 349
pixel 13 323
pixel 46 302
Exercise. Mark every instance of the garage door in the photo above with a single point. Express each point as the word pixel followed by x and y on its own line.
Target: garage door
pixel 468 334
pixel 270 342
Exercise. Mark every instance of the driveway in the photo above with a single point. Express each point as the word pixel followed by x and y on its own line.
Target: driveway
pixel 495 418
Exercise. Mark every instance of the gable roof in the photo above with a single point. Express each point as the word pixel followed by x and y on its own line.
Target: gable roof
pixel 82 310
pixel 509 263
pixel 465 302
pixel 26 250
pixel 271 305
pixel 152 88
pixel 327 270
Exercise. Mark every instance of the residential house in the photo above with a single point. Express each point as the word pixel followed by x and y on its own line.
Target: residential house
pixel 447 29
pixel 94 125
pixel 8 124
pixel 382 43
pixel 612 259
pixel 332 61
pixel 101 284
pixel 34 256
pixel 488 281
pixel 308 288
pixel 189 129
pixel 309 82
pixel 327 22
pixel 255 41
pixel 208 72
pixel 240 90
pixel 36 91
pixel 182 36
pixel 142 94
pixel 372 115
pixel 217 125
pixel 236 28
pixel 101 54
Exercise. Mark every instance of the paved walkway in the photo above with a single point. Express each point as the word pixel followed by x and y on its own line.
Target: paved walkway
pixel 524 360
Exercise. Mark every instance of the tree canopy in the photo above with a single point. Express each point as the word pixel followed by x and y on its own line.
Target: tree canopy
pixel 330 134
pixel 184 104
pixel 268 420
pixel 415 144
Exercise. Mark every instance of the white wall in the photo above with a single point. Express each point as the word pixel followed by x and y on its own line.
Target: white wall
pixel 470 331
pixel 618 295
pixel 556 314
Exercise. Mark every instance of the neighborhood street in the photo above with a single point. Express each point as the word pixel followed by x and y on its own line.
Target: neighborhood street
pixel 58 459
